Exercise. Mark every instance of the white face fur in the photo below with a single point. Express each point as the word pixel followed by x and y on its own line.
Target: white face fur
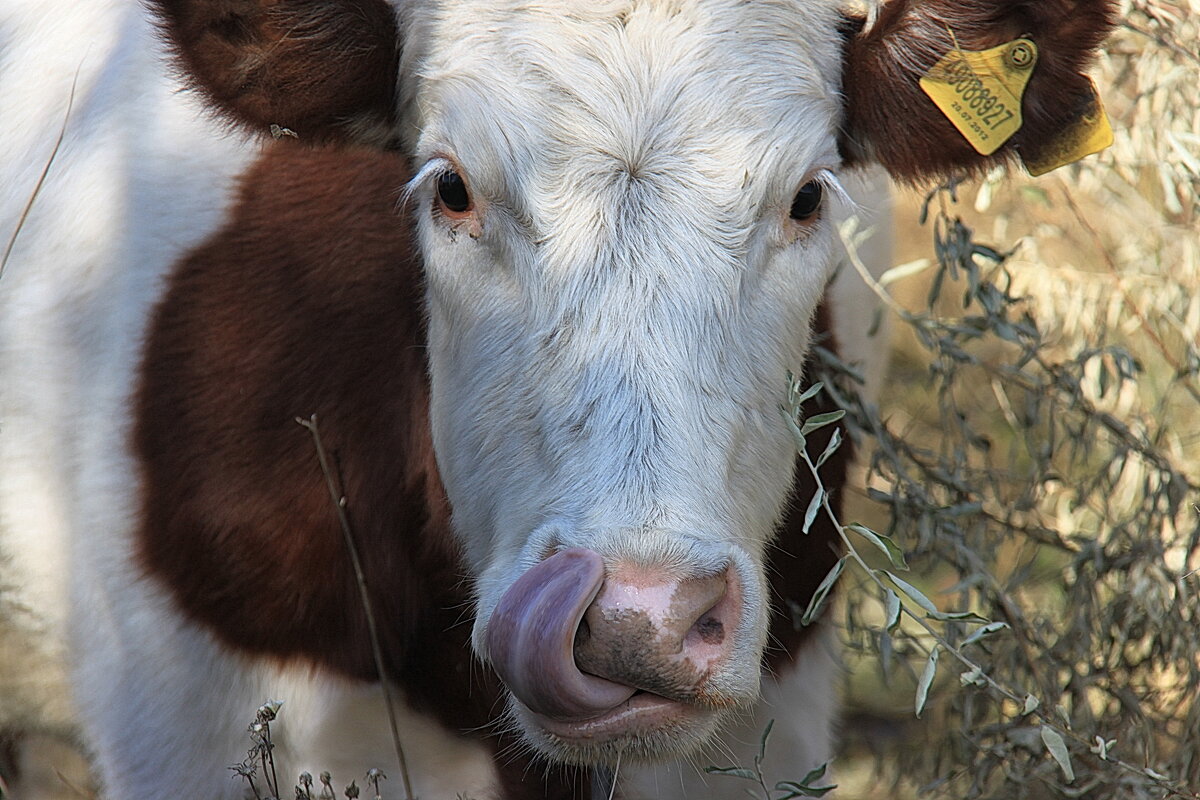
pixel 612 319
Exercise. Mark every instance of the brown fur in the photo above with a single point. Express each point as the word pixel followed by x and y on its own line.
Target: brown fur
pixel 309 302
pixel 324 69
pixel 890 120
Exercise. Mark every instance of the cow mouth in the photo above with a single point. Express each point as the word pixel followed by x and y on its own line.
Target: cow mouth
pixel 643 714
pixel 643 729
pixel 568 712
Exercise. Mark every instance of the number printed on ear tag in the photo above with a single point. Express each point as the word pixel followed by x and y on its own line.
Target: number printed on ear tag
pixel 980 91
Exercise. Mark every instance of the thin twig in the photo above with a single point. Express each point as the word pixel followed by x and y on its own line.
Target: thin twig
pixel 612 790
pixel 37 188
pixel 270 751
pixel 339 503
pixel 1162 40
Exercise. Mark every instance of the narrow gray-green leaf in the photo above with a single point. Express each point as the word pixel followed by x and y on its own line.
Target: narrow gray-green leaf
pixel 835 442
pixel 1102 747
pixel 821 420
pixel 1031 704
pixel 927 677
pixel 762 743
pixel 952 616
pixel 1058 748
pixel 972 677
pixel 818 598
pixel 801 442
pixel 885 544
pixel 814 774
pixel 809 393
pixel 795 790
pixel 814 506
pixel 891 606
pixel 804 788
pixel 984 631
pixel 914 594
pixel 735 772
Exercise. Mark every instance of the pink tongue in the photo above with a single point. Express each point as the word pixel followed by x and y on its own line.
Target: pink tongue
pixel 531 639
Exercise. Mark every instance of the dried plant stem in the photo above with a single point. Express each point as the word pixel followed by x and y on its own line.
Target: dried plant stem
pixel 1162 41
pixel 339 503
pixel 616 773
pixel 37 188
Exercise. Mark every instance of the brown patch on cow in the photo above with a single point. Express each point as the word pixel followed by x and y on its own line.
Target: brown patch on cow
pixel 10 761
pixel 324 69
pixel 309 301
pixel 797 562
pixel 891 121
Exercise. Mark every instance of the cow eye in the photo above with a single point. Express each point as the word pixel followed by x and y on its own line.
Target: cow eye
pixel 807 202
pixel 452 193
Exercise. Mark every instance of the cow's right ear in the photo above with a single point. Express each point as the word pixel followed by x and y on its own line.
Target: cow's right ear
pixel 891 120
pixel 325 70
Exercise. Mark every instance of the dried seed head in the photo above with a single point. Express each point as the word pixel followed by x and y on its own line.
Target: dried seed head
pixel 268 711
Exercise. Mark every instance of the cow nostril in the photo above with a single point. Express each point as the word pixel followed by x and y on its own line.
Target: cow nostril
pixel 709 630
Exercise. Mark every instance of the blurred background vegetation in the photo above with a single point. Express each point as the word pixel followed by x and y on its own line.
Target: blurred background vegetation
pixel 1036 455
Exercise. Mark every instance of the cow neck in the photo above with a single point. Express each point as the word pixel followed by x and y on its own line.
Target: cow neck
pixel 309 301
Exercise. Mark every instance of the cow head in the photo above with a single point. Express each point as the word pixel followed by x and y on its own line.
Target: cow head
pixel 622 215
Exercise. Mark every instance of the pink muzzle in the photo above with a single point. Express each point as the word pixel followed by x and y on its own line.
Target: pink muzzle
pixel 573 641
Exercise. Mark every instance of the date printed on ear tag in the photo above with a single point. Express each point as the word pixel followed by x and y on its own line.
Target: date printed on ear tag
pixel 980 91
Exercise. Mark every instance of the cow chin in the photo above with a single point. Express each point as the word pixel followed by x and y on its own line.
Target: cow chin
pixel 646 728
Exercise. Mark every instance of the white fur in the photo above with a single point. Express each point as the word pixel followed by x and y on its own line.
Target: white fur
pixel 635 276
pixel 802 704
pixel 607 344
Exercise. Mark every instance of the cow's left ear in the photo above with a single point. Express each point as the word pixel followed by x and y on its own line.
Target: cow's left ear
pixel 322 70
pixel 892 120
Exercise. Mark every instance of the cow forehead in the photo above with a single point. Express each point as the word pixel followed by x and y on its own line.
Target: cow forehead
pixel 540 102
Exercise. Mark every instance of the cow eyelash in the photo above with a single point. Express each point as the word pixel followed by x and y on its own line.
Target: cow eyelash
pixel 830 183
pixel 808 203
pixel 452 199
pixel 429 173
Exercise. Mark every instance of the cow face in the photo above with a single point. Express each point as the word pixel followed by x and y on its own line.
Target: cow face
pixel 624 242
pixel 622 216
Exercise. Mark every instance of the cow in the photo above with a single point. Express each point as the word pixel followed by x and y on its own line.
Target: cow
pixel 530 275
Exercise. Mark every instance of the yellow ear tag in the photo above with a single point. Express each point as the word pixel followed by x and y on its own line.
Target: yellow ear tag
pixel 1088 134
pixel 980 91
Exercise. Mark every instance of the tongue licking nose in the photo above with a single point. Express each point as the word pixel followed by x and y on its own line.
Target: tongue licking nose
pixel 572 642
